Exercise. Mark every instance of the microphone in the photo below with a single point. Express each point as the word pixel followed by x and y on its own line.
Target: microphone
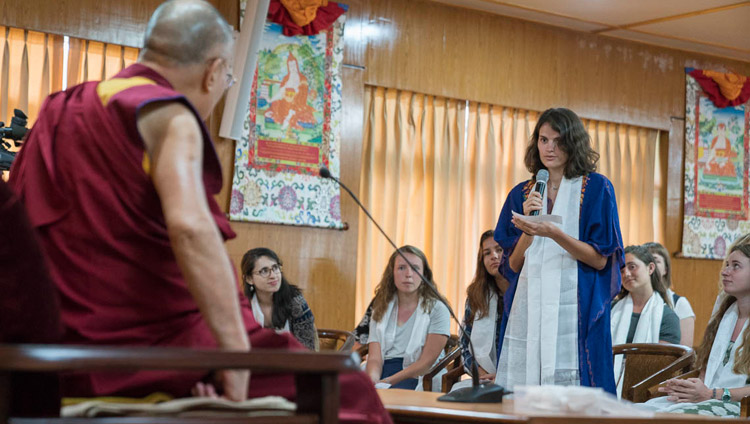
pixel 542 176
pixel 477 393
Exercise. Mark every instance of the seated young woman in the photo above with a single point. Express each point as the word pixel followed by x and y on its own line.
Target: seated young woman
pixel 410 325
pixel 642 312
pixel 275 302
pixel 483 312
pixel 362 331
pixel 681 304
pixel 723 358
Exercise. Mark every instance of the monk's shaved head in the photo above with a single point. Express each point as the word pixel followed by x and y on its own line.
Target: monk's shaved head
pixel 185 32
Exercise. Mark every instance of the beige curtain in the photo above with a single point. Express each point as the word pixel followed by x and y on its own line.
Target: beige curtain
pixel 30 69
pixel 92 60
pixel 436 172
pixel 413 163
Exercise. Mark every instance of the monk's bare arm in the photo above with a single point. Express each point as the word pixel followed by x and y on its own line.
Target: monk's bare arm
pixel 173 140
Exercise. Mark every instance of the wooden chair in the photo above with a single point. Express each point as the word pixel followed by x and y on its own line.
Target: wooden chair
pixel 653 392
pixel 339 340
pixel 452 350
pixel 648 364
pixel 316 375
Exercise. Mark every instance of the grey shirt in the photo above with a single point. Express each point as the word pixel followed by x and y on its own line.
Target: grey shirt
pixel 439 324
pixel 669 331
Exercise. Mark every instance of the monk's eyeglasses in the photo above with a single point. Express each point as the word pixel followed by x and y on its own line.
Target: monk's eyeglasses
pixel 230 79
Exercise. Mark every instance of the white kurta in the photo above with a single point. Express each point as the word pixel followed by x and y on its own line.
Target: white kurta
pixel 540 345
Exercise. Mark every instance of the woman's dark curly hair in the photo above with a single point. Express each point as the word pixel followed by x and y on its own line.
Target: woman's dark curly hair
pixel 574 141
pixel 282 299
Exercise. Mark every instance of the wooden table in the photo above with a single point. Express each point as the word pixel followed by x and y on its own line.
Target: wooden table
pixel 408 406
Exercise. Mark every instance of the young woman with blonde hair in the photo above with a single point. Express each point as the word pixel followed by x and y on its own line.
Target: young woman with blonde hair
pixel 723 358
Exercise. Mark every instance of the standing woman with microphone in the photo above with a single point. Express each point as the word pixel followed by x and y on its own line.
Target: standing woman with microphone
pixel 562 277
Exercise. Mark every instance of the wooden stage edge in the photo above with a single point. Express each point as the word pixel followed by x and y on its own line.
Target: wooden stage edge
pixel 407 406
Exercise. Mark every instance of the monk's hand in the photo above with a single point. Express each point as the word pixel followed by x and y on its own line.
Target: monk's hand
pixel 202 389
pixel 235 384
pixel 691 390
pixel 532 203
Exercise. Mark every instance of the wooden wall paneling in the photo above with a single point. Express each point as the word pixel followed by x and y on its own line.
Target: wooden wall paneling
pixel 695 279
pixel 116 22
pixel 322 262
pixel 448 51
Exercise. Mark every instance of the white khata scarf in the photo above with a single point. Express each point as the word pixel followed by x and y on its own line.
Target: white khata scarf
pixel 483 337
pixel 647 331
pixel 540 345
pixel 260 319
pixel 386 329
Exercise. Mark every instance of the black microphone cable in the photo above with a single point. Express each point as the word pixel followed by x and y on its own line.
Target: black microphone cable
pixel 496 392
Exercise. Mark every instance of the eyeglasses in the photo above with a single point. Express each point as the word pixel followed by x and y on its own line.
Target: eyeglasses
pixel 266 272
pixel 230 79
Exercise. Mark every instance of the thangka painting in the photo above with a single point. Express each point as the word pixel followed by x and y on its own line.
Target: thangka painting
pixel 292 129
pixel 716 166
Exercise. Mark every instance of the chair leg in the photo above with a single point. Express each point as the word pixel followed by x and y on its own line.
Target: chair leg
pixel 5 400
pixel 319 394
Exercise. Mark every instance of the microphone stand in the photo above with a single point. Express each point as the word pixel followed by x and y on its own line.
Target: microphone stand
pixel 477 393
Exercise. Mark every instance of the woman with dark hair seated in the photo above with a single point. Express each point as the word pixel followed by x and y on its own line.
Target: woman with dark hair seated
pixel 642 312
pixel 681 305
pixel 275 302
pixel 483 312
pixel 410 325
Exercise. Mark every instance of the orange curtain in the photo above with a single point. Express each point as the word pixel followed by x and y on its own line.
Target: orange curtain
pixel 31 68
pixel 94 61
pixel 436 172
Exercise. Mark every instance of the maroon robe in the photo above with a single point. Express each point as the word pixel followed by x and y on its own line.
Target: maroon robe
pixel 83 176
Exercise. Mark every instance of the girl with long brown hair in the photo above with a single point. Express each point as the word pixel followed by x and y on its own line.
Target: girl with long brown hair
pixel 410 324
pixel 483 311
pixel 723 357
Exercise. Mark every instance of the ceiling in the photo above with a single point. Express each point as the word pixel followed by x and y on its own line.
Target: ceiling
pixel 714 27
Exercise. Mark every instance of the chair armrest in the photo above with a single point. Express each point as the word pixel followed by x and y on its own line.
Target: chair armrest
pixel 427 378
pixel 745 407
pixel 452 376
pixel 640 391
pixel 58 358
pixel 348 344
pixel 653 390
pixel 316 374
pixel 362 351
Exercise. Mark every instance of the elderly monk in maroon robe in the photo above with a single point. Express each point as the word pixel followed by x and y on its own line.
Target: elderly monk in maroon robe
pixel 118 177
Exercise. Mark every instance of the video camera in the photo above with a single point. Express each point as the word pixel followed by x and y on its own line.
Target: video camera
pixel 16 131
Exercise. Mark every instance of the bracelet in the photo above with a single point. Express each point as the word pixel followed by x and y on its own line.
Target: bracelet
pixel 714 394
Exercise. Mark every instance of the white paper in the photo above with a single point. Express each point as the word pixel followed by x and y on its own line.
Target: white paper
pixel 557 219
pixel 381 385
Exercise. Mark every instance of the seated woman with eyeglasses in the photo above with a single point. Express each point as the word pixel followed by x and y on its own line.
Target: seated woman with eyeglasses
pixel 275 302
